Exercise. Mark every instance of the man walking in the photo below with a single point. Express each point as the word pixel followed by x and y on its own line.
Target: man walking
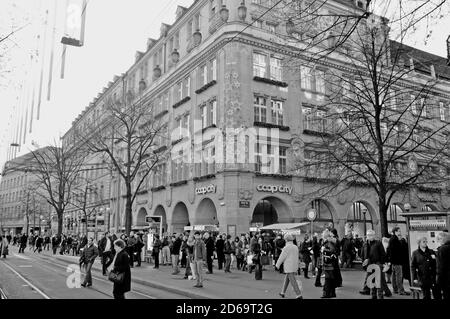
pixel 395 258
pixel 23 243
pixel 228 250
pixel 199 258
pixel 220 243
pixel 176 253
pixel 209 242
pixel 89 254
pixel 105 251
pixel 289 258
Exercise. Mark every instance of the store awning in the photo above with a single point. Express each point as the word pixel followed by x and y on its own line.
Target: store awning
pixel 284 226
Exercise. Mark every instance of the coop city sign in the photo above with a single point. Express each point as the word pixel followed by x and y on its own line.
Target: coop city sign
pixel 205 190
pixel 274 189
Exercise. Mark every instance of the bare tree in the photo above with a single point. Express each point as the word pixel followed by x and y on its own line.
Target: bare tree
pixel 380 124
pixel 129 137
pixel 56 169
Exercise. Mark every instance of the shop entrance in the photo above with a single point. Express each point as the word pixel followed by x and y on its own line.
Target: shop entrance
pixel 180 218
pixel 271 210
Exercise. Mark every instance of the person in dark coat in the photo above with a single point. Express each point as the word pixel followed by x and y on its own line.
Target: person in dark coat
pixel 209 242
pixel 279 244
pixel 443 266
pixel 157 245
pixel 256 249
pixel 329 255
pixel 39 243
pixel 175 253
pixel 121 265
pixel 396 258
pixel 23 243
pixel 315 247
pixel 337 269
pixel 305 255
pixel 348 251
pixel 423 268
pixel 405 261
pixel 220 244
pixel 378 256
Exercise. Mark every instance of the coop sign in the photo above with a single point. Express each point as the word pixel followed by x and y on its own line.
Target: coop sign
pixel 274 189
pixel 433 223
pixel 205 190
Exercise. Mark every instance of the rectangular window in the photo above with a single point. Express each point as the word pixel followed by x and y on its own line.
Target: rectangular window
pixel 180 91
pixel 442 111
pixel 413 105
pixel 307 118
pixel 187 86
pixel 203 75
pixel 282 160
pixel 259 65
pixel 214 69
pixel 277 112
pixel 213 112
pixel 260 110
pixel 423 107
pixel 257 23
pixel 320 81
pixel 306 78
pixel 275 69
pixel 204 115
pixel 320 121
pixel 271 27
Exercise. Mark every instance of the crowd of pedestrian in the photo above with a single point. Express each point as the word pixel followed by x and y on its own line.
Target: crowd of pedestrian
pixel 323 255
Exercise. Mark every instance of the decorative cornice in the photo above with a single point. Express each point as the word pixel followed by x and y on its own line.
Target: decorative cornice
pixel 179 103
pixel 205 177
pixel 270 81
pixel 183 182
pixel 316 133
pixel 206 86
pixel 161 114
pixel 160 149
pixel 270 125
pixel 159 188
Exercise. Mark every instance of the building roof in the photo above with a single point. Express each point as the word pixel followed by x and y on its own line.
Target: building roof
pixel 422 60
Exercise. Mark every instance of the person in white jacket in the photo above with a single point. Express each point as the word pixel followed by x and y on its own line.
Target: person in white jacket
pixel 289 259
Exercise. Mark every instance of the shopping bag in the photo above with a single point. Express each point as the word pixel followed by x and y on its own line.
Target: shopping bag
pixel 250 259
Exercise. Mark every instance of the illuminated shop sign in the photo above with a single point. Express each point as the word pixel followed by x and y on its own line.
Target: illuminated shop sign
pixel 274 189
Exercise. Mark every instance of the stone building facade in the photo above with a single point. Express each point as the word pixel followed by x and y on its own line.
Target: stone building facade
pixel 219 68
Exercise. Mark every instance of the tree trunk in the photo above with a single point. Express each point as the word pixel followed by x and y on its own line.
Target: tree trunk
pixel 60 222
pixel 128 210
pixel 383 215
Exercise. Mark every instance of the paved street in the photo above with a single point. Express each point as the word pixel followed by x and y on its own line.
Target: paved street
pixel 33 275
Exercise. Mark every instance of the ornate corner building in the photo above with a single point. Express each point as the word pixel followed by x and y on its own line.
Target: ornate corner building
pixel 221 69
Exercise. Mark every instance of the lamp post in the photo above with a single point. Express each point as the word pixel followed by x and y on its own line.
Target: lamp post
pixel 364 211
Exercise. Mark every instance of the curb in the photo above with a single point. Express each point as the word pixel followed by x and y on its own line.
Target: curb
pixel 152 284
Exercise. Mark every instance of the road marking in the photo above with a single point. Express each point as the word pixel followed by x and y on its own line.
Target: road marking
pixel 25 266
pixel 52 262
pixel 29 283
pixel 22 257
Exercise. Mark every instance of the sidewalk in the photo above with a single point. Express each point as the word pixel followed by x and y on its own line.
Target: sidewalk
pixel 237 285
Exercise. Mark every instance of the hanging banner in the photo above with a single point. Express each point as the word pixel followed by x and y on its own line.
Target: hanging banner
pixel 75 23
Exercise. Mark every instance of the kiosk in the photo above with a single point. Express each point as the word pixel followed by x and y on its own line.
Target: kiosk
pixel 424 224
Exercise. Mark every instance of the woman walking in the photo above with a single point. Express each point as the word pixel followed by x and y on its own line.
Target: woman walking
pixel 121 268
pixel 423 268
pixel 305 255
pixel 155 251
pixel 289 259
pixel 239 244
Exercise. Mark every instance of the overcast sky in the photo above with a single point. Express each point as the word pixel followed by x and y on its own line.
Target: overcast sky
pixel 115 30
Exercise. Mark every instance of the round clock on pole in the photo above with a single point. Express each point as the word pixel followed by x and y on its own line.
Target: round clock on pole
pixel 311 214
